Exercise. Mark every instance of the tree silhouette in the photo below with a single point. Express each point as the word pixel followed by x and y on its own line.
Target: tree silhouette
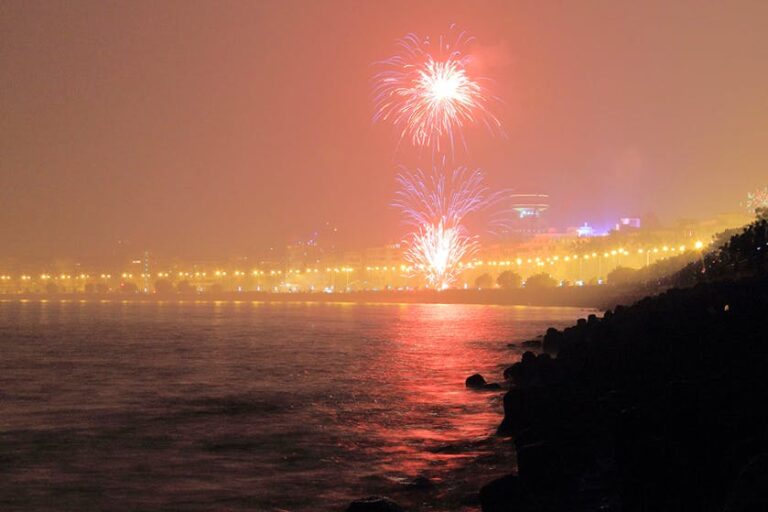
pixel 484 281
pixel 622 275
pixel 509 280
pixel 540 282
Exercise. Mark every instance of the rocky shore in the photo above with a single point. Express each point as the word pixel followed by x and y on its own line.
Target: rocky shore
pixel 659 406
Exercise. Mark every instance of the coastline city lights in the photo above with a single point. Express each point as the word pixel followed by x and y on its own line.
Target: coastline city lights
pixel 566 267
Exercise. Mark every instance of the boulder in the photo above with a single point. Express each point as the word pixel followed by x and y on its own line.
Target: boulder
pixel 501 495
pixel 541 467
pixel 475 381
pixel 527 407
pixel 750 491
pixel 512 372
pixel 553 341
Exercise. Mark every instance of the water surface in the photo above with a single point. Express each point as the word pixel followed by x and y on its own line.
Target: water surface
pixel 129 405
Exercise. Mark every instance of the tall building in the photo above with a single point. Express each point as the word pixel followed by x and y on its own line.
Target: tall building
pixel 523 216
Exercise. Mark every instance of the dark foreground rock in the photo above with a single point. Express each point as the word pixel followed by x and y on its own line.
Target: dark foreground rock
pixel 536 343
pixel 662 406
pixel 501 495
pixel 750 491
pixel 374 504
pixel 475 381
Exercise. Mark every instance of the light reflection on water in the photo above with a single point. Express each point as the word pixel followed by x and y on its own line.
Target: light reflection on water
pixel 121 405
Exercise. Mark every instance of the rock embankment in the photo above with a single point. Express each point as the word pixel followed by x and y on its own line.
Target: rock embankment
pixel 661 406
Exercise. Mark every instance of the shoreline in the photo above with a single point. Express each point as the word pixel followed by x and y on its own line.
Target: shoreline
pixel 637 410
pixel 592 297
pixel 655 406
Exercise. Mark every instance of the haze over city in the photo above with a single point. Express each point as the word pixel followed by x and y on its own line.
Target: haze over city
pixel 198 129
pixel 383 256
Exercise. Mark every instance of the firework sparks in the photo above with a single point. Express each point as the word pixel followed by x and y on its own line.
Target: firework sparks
pixel 428 94
pixel 436 207
pixel 757 200
pixel 437 251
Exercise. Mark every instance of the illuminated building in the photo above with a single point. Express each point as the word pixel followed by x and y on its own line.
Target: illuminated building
pixel 628 223
pixel 585 231
pixel 524 216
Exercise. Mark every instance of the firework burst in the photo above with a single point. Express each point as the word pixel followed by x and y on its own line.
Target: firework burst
pixel 429 95
pixel 437 251
pixel 436 206
pixel 757 200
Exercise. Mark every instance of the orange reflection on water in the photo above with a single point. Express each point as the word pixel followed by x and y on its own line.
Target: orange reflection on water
pixel 431 350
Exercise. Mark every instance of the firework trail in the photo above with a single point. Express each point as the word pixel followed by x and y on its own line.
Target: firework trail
pixel 427 199
pixel 757 199
pixel 426 91
pixel 436 206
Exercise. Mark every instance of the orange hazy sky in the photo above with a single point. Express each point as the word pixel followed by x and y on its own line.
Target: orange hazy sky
pixel 218 128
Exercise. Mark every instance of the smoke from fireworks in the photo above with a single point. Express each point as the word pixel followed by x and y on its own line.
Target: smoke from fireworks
pixel 428 94
pixel 757 199
pixel 436 206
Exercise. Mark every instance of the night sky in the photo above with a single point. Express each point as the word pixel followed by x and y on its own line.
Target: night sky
pixel 219 128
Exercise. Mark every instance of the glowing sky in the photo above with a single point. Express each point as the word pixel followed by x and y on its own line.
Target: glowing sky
pixel 216 128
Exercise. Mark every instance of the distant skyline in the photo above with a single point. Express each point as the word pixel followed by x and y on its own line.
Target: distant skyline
pixel 222 128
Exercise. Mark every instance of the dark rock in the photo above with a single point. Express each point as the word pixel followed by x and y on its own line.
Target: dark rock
pixel 475 381
pixel 553 341
pixel 657 406
pixel 527 407
pixel 528 436
pixel 532 343
pixel 511 345
pixel 750 491
pixel 470 500
pixel 493 386
pixel 374 504
pixel 532 370
pixel 541 467
pixel 501 495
